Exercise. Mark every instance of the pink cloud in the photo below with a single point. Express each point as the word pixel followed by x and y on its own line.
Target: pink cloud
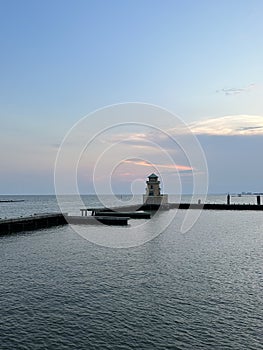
pixel 157 166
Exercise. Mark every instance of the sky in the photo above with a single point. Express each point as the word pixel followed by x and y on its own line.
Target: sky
pixel 200 60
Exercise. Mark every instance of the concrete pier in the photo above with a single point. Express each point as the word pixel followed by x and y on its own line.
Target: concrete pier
pixel 112 216
pixel 135 214
pixel 11 200
pixel 30 223
pixel 95 220
pixel 204 206
pixel 40 221
pixel 130 214
pixel 215 206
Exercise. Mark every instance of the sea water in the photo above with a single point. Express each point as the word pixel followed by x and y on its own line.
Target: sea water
pixel 196 290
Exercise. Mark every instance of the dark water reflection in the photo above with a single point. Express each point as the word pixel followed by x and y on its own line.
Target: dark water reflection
pixel 200 290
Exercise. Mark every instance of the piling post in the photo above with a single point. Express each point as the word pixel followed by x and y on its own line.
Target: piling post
pixel 258 200
pixel 228 199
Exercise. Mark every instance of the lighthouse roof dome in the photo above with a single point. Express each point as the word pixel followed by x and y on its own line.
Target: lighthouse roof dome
pixel 153 176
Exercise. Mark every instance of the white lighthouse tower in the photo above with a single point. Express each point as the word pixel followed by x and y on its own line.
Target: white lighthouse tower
pixel 153 194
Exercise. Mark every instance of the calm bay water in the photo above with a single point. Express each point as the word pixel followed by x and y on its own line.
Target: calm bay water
pixel 198 290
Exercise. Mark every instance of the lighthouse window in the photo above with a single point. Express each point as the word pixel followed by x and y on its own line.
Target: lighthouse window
pixel 151 187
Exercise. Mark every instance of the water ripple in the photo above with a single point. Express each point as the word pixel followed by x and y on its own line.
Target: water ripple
pixel 202 290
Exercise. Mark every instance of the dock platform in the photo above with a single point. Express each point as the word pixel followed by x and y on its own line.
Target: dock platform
pixel 95 220
pixel 130 214
pixel 116 212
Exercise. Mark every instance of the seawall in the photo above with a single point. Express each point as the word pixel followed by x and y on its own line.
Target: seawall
pixel 30 223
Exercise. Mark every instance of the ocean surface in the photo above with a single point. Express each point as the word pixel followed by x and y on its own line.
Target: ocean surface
pixel 201 289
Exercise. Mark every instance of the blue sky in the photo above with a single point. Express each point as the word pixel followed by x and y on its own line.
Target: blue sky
pixel 61 60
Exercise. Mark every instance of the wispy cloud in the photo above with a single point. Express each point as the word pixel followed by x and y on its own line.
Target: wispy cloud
pixel 229 125
pixel 126 137
pixel 177 167
pixel 153 141
pixel 236 91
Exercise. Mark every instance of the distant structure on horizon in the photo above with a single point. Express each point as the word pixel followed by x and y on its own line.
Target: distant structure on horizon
pixel 153 194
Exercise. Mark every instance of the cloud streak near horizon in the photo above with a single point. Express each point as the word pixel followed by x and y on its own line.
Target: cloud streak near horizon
pixel 157 166
pixel 236 91
pixel 245 125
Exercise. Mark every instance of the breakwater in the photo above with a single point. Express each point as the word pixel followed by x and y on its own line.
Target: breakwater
pixel 40 221
pixel 11 200
pixel 185 206
pixel 110 216
pixel 215 206
pixel 30 223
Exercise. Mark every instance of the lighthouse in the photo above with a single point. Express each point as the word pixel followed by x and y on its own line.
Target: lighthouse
pixel 153 194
